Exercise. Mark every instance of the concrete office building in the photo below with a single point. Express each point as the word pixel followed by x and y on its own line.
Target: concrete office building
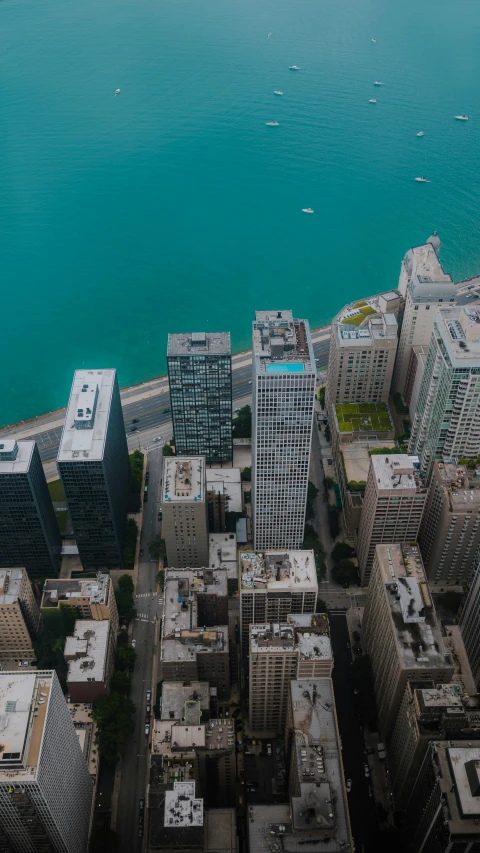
pixel 427 287
pixel 188 651
pixel 93 598
pixel 200 379
pixel 470 619
pixel 184 511
pixel 272 585
pixel 89 654
pixel 20 620
pixel 94 468
pixel 283 395
pixel 280 652
pixel 222 554
pixel 29 534
pixel 447 419
pixel 401 633
pixel 206 588
pixel 424 715
pixel 450 530
pixel 45 788
pixel 444 808
pixel 361 359
pixel 393 505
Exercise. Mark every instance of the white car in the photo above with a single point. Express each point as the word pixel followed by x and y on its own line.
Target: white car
pixel 349 785
pixel 147 729
pixel 269 748
pixel 134 643
pixel 157 438
pixel 367 771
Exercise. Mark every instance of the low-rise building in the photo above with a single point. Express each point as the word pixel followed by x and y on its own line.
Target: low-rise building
pixel 20 620
pixel 189 703
pixel 223 555
pixel 224 497
pixel 93 598
pixel 86 729
pixel 401 633
pixel 90 658
pixel 182 820
pixel 184 511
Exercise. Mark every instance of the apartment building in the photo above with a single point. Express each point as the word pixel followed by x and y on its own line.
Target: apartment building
pixel 283 395
pixel 45 788
pixel 444 808
pixel 29 534
pixel 393 505
pixel 469 619
pixel 427 288
pixel 450 530
pixel 415 371
pixel 94 468
pixel 447 419
pixel 222 554
pixel 272 585
pixel 89 654
pixel 184 511
pixel 425 714
pixel 207 588
pixel 401 633
pixel 93 598
pixel 280 652
pixel 200 380
pixel 224 497
pixel 361 357
pixel 20 620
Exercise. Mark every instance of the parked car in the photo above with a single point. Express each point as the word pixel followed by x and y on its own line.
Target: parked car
pixel 148 708
pixel 134 429
pixel 140 831
pixel 147 718
pixel 142 804
pixel 269 748
pixel 165 411
pixel 134 643
pixel 227 712
pixel 157 438
pixel 370 791
pixel 236 712
pixel 367 771
pixel 349 785
pixel 147 729
pixel 149 695
pixel 134 420
pixel 369 751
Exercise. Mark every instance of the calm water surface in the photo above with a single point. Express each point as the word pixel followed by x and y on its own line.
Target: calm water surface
pixel 173 207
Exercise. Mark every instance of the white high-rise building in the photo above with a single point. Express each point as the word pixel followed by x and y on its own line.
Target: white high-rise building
pixel 283 401
pixel 45 788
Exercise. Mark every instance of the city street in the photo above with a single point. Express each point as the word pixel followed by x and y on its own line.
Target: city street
pixel 149 611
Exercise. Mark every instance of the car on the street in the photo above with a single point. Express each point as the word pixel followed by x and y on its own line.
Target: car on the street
pixel 349 785
pixel 147 729
pixel 149 695
pixel 142 804
pixel 148 708
pixel 227 712
pixel 142 552
pixel 134 429
pixel 236 712
pixel 165 411
pixel 159 514
pixel 220 712
pixel 140 831
pixel 236 411
pixel 367 771
pixel 249 381
pixel 269 748
pixel 369 751
pixel 157 438
pixel 348 646
pixel 134 643
pixel 147 718
pixel 370 791
pixel 134 420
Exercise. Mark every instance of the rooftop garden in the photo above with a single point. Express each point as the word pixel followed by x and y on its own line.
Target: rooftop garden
pixel 358 319
pixel 365 417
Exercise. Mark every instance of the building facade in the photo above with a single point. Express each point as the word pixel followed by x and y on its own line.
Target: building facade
pixel 20 620
pixel 283 397
pixel 447 419
pixel 94 468
pixel 29 534
pixel 392 509
pixel 89 653
pixel 200 379
pixel 45 788
pixel 450 530
pixel 93 598
pixel 470 619
pixel 401 633
pixel 184 511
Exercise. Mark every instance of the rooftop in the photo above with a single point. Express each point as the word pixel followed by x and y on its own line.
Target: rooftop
pixel 363 417
pixel 396 474
pixel 278 570
pixel 441 696
pixel 222 553
pixel 416 630
pixel 307 636
pixel 87 416
pixel 181 639
pixel 459 327
pixel 185 702
pixel 226 482
pixel 464 763
pixel 16 456
pixel 355 313
pixel 56 590
pixel 356 457
pixel 182 808
pixel 183 479
pixel 423 264
pixel 187 582
pixel 199 343
pixel 24 701
pixel 461 485
pixel 10 585
pixel 364 327
pixel 87 651
pixel 282 343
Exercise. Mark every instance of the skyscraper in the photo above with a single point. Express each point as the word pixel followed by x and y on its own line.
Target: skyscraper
pixel 470 619
pixel 45 788
pixel 447 419
pixel 94 467
pixel 200 377
pixel 29 534
pixel 20 621
pixel 184 512
pixel 283 400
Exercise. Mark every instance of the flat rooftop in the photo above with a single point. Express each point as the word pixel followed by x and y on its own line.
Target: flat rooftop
pixel 356 457
pixel 87 416
pixel 228 483
pixel 396 474
pixel 358 311
pixel 441 696
pixel 308 641
pixel 282 343
pixel 87 651
pixel 191 581
pixel 362 329
pixel 199 343
pixel 222 552
pixel 15 462
pixel 424 263
pixel 459 328
pixel 181 639
pixel 277 570
pixel 416 629
pixel 464 762
pixel 363 417
pixel 24 701
pixel 182 808
pixel 10 585
pixel 185 702
pixel 183 479
pixel 56 590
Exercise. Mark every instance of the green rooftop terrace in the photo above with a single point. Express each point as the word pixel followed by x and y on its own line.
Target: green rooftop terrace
pixel 363 417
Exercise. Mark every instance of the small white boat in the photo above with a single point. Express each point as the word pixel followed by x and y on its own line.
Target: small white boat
pixel 374 41
pixel 421 133
pixel 269 35
pixel 294 68
pixel 278 93
pixel 377 83
pixel 272 123
pixel 422 180
pixel 117 92
pixel 372 101
pixel 308 210
pixel 461 118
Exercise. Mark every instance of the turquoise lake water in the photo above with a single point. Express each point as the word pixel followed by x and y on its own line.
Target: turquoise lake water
pixel 173 207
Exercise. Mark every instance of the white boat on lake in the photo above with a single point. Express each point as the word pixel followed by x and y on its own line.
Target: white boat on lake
pixel 372 101
pixel 374 41
pixel 308 210
pixel 421 133
pixel 272 123
pixel 294 68
pixel 377 83
pixel 422 180
pixel 117 92
pixel 278 93
pixel 461 118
